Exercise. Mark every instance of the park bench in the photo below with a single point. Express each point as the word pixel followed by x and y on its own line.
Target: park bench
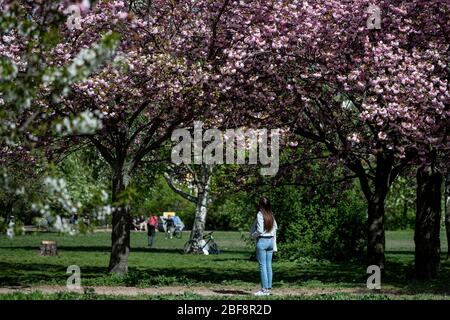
pixel 48 248
pixel 32 229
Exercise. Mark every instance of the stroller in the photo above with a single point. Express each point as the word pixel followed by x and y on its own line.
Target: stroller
pixel 178 226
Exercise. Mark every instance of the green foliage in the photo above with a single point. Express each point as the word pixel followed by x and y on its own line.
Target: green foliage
pixel 400 204
pixel 233 213
pixel 83 228
pixel 85 174
pixel 18 228
pixel 140 278
pixel 312 224
pixel 126 197
pixel 20 186
pixel 319 223
pixel 316 221
pixel 157 197
pixel 3 225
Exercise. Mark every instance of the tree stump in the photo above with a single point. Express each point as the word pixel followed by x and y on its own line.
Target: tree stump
pixel 48 248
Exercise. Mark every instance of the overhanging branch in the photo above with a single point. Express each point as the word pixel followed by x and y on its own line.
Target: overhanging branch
pixel 178 191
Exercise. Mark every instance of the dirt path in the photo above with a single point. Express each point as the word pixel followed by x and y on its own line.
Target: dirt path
pixel 202 291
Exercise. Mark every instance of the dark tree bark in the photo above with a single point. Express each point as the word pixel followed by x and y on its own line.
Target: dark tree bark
pixel 385 173
pixel 121 222
pixel 376 235
pixel 447 211
pixel 428 216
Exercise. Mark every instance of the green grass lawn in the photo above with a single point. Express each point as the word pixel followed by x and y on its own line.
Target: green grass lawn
pixel 20 264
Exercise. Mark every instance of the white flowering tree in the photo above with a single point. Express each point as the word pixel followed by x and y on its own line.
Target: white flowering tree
pixel 28 30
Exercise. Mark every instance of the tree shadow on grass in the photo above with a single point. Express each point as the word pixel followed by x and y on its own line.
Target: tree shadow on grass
pixel 223 291
pixel 398 272
pixel 217 259
pixel 32 273
pixel 107 249
pixel 20 274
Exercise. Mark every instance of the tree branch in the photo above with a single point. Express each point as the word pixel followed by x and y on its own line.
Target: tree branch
pixel 214 29
pixel 296 183
pixel 107 155
pixel 137 113
pixel 178 191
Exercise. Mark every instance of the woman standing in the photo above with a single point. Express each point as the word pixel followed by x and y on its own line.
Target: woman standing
pixel 152 224
pixel 264 231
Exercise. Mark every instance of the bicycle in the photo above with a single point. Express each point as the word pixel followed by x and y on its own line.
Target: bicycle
pixel 194 246
pixel 177 232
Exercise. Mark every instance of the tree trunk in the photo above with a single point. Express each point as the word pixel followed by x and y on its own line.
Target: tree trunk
pixel 447 211
pixel 202 179
pixel 376 211
pixel 428 216
pixel 376 235
pixel 121 223
pixel 201 209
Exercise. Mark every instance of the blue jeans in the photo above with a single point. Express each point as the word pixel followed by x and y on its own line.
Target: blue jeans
pixel 151 240
pixel 151 235
pixel 264 253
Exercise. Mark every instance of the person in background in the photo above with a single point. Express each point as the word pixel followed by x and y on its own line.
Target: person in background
pixel 264 230
pixel 74 218
pixel 152 224
pixel 170 226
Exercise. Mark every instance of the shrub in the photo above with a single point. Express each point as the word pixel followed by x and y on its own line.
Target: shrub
pixel 320 226
pixel 326 223
pixel 3 225
pixel 401 205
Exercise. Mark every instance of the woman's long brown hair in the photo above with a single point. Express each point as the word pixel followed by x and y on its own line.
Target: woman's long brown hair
pixel 266 209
